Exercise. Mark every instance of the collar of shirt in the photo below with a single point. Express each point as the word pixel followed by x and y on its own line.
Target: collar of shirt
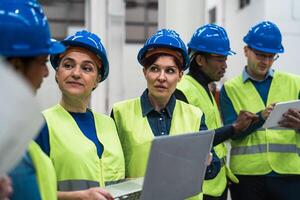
pixel 246 76
pixel 147 106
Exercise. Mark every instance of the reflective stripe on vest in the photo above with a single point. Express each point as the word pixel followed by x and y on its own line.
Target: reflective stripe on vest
pixel 65 152
pixel 264 151
pixel 262 148
pixel 198 96
pixel 74 185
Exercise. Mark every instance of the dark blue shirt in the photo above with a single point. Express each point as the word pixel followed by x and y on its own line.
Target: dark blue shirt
pixel 160 122
pixel 24 180
pixel 85 122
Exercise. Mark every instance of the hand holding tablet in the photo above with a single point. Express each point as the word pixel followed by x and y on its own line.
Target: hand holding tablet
pixel 286 113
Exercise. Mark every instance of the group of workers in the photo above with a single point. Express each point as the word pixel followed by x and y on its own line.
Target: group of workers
pixel 79 151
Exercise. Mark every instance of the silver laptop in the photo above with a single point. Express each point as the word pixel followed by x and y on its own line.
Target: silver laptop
pixel 175 170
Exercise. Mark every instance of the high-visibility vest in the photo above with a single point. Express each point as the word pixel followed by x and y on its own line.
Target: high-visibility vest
pixel 265 150
pixel 45 172
pixel 74 156
pixel 197 96
pixel 136 134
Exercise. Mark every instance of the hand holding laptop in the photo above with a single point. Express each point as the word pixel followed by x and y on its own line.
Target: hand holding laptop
pixel 96 193
pixel 5 187
pixel 209 159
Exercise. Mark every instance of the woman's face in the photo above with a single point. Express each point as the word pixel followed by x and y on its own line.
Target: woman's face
pixel 34 70
pixel 77 74
pixel 162 77
pixel 37 71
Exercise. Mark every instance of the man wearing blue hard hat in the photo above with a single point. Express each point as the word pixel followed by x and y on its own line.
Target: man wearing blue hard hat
pixel 25 45
pixel 208 51
pixel 267 161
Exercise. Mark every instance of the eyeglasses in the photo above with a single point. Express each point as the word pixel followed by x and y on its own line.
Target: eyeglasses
pixel 262 56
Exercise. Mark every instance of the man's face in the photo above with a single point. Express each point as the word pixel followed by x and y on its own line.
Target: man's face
pixel 258 62
pixel 214 66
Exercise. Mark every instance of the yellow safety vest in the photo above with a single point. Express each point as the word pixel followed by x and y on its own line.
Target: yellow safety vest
pixel 197 96
pixel 266 150
pixel 74 156
pixel 136 134
pixel 45 172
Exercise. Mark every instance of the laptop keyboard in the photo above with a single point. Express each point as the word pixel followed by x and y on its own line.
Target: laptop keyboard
pixel 131 196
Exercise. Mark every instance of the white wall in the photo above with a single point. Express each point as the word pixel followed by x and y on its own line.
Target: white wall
pixel 284 13
pixel 125 78
pixel 182 16
pixel 115 31
pixel 219 5
pixel 48 94
pixel 133 75
pixel 237 23
pixel 96 21
pixel 287 16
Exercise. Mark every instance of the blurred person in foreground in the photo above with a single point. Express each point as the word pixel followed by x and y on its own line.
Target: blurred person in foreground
pixel 25 45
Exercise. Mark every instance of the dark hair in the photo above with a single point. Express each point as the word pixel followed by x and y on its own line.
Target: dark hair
pixel 147 62
pixel 193 63
pixel 26 61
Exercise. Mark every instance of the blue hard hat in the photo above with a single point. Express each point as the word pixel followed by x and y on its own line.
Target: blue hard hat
pixel 24 30
pixel 265 37
pixel 89 41
pixel 165 38
pixel 210 38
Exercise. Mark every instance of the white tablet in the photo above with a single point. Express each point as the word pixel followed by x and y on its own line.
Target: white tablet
pixel 276 114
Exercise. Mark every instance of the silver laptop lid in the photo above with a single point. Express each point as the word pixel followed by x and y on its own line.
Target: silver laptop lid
pixel 125 188
pixel 176 166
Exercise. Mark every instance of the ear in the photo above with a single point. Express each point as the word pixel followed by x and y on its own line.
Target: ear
pixel 246 51
pixel 17 65
pixel 56 72
pixel 180 75
pixel 95 85
pixel 144 72
pixel 98 80
pixel 199 60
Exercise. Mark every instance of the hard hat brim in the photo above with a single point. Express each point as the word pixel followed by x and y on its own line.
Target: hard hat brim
pixel 56 48
pixel 267 50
